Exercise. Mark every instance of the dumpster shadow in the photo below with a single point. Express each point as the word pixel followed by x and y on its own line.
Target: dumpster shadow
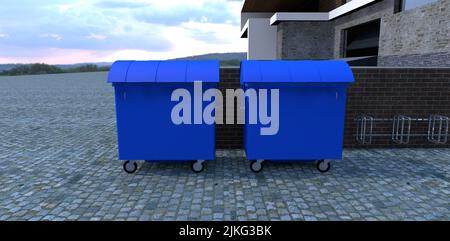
pixel 380 167
pixel 293 170
pixel 171 168
pixel 289 164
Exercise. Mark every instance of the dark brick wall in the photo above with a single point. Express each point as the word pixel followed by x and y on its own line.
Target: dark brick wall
pixel 386 92
pixel 379 92
pixel 229 136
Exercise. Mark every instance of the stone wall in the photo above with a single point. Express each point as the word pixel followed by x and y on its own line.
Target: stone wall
pixel 417 37
pixel 325 39
pixel 417 60
pixel 377 10
pixel 305 40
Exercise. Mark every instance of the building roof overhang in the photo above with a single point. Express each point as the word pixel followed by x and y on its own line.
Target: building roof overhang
pixel 286 16
pixel 302 16
pixel 279 6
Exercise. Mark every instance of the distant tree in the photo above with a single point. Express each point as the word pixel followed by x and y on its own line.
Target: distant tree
pixel 34 69
pixel 231 62
pixel 83 68
pixel 87 68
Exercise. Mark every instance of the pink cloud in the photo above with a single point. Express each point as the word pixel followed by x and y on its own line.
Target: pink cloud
pixel 73 56
pixel 57 56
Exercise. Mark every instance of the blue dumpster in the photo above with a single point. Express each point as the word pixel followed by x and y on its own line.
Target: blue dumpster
pixel 145 129
pixel 312 96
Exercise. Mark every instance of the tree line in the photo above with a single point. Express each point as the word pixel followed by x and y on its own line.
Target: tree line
pixel 34 69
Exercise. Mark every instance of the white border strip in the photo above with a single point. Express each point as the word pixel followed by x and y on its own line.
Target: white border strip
pixel 300 16
pixel 348 7
pixel 277 17
pixel 245 28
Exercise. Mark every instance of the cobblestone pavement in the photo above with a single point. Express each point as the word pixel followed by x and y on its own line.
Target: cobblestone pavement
pixel 58 161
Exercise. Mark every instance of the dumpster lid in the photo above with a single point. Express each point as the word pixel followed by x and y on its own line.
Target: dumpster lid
pixel 164 71
pixel 308 71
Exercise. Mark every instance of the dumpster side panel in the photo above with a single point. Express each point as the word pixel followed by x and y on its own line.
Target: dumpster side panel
pixel 145 128
pixel 311 124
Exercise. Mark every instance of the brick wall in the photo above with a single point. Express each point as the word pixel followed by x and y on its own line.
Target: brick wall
pixel 229 136
pixel 379 92
pixel 385 92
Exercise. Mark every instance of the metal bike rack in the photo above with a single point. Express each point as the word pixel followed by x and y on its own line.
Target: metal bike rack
pixel 401 129
pixel 438 129
pixel 364 129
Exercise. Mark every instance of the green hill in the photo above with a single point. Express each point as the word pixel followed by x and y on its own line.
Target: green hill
pixel 226 59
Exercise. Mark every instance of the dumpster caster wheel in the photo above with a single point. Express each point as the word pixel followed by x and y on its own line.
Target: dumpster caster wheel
pixel 198 166
pixel 130 167
pixel 256 166
pixel 323 166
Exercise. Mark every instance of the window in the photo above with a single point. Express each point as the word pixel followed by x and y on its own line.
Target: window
pixel 362 40
pixel 401 5
pixel 398 6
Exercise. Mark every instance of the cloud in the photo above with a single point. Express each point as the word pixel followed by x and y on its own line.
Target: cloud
pixel 80 26
pixel 208 12
pixel 120 4
pixel 96 36
pixel 51 56
pixel 211 32
pixel 54 36
pixel 106 29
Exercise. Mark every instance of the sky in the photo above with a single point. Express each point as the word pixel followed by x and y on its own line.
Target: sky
pixel 69 31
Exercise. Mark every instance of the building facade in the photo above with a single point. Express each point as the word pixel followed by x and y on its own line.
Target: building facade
pixel 413 33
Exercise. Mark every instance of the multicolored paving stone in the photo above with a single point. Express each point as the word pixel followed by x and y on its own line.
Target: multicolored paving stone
pixel 58 161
